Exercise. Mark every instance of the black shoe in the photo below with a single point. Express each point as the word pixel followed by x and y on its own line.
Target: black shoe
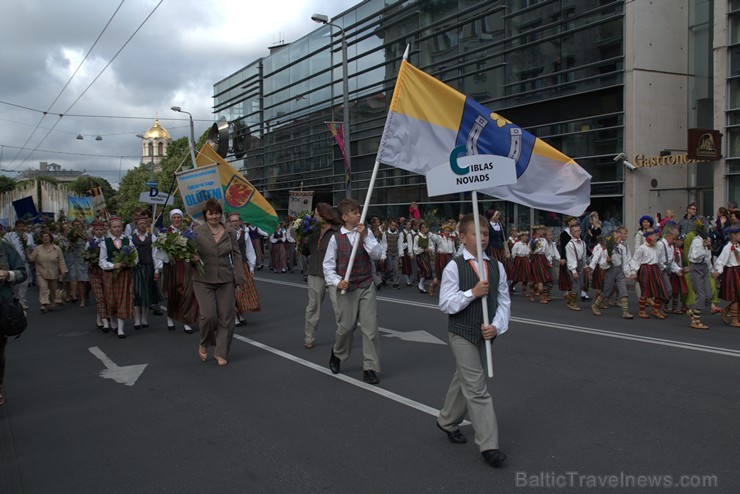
pixel 370 377
pixel 189 331
pixel 137 327
pixel 105 330
pixel 409 284
pixel 334 363
pixel 171 328
pixel 396 287
pixel 585 297
pixel 421 290
pixel 378 287
pixel 455 437
pixel 157 312
pixel 144 325
pixel 100 326
pixel 305 278
pixel 122 336
pixel 259 268
pixel 494 457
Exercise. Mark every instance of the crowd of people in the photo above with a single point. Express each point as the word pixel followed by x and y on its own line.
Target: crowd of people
pixel 204 275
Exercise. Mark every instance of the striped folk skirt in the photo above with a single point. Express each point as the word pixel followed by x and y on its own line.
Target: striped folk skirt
pixel 247 298
pixel 95 275
pixel 520 270
pixel 679 286
pixel 278 256
pixel 651 282
pixel 597 278
pixel 145 288
pixel 730 287
pixel 498 254
pixel 565 283
pixel 440 261
pixel 118 288
pixel 424 262
pixel 539 269
pixel 406 268
pixel 178 288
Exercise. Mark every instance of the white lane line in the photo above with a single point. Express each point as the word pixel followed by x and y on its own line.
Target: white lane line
pixel 729 352
pixel 360 384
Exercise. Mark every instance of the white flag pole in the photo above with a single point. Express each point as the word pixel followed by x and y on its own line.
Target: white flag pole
pixel 367 203
pixel 482 276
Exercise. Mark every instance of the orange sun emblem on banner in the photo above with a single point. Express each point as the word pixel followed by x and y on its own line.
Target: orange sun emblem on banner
pixel 238 192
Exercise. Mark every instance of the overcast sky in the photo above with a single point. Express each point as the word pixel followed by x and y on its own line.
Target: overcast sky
pixel 174 60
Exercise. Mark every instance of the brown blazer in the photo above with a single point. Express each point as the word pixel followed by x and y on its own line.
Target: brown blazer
pixel 49 265
pixel 222 261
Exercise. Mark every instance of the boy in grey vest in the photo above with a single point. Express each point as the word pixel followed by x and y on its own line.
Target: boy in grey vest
pixel 460 296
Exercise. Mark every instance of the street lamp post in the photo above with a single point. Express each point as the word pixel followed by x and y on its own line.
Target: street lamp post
pixel 322 19
pixel 192 132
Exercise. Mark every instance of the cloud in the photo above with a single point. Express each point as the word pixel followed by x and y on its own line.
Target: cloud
pixel 184 48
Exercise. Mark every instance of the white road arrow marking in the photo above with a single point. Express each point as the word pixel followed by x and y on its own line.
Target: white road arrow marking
pixel 419 336
pixel 123 375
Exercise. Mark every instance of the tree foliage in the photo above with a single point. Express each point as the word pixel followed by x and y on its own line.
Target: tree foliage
pixel 7 184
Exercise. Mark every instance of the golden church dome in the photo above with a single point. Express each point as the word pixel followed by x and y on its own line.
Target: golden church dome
pixel 157 132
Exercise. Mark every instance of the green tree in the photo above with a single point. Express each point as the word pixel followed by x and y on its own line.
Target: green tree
pixel 7 184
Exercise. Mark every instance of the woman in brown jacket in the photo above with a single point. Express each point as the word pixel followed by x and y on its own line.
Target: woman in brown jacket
pixel 214 289
pixel 50 267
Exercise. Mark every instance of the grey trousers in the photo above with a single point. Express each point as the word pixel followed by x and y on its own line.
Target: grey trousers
pixel 699 276
pixel 216 315
pixel 666 275
pixel 614 276
pixel 392 271
pixel 356 306
pixel 468 393
pixel 317 290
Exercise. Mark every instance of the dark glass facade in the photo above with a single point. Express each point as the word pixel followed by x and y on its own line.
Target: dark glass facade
pixel 555 67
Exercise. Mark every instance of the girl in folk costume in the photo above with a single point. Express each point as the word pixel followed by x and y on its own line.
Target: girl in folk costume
pixel 539 270
pixel 423 250
pixel 497 243
pixel 247 299
pixel 256 236
pixel 679 287
pixel 411 234
pixel 520 269
pixel 646 223
pixel 597 277
pixel 177 285
pixel 553 259
pixel 728 266
pixel 118 280
pixel 646 268
pixel 445 247
pixel 564 282
pixel 575 255
pixel 407 255
pixel 278 259
pixel 146 272
pixel 95 272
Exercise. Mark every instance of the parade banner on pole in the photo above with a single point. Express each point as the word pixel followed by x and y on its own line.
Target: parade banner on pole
pixel 430 124
pixel 81 208
pixel 299 202
pixel 240 196
pixel 25 209
pixel 98 201
pixel 197 185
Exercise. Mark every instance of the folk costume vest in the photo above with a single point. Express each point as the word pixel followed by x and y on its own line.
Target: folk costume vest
pixel 361 275
pixel 392 241
pixel 468 321
pixel 144 248
pixel 111 247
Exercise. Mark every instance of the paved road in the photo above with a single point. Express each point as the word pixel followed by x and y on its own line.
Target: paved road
pixel 578 399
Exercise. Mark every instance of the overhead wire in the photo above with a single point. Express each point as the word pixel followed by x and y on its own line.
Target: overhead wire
pixel 44 113
pixel 93 81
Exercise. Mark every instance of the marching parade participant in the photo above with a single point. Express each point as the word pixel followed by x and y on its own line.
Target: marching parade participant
pixel 700 262
pixel 392 243
pixel 278 259
pixel 117 258
pixel 95 272
pixel 445 248
pixel 23 244
pixel 727 266
pixel 246 296
pixel 614 261
pixel 645 267
pixel 498 247
pixel 575 255
pixel 423 250
pixel 50 269
pixel 460 297
pixel 667 255
pixel 257 236
pixel 553 261
pixel 539 267
pixel 679 287
pixel 146 272
pixel 407 259
pixel 597 277
pixel 182 305
pixel 520 253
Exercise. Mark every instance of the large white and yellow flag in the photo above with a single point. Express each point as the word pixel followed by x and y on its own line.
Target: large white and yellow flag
pixel 430 123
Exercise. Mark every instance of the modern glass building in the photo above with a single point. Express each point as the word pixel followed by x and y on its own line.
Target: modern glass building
pixel 569 71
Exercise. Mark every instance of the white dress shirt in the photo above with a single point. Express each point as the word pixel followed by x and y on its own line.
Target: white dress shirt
pixel 645 254
pixel 540 246
pixel 107 265
pixel 155 255
pixel 727 257
pixel 384 242
pixel 371 246
pixel 698 254
pixel 575 251
pixel 452 300
pixel 418 250
pixel 249 250
pixel 667 254
pixel 520 249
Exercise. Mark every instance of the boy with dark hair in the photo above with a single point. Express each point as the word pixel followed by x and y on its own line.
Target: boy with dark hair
pixel 460 296
pixel 359 302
